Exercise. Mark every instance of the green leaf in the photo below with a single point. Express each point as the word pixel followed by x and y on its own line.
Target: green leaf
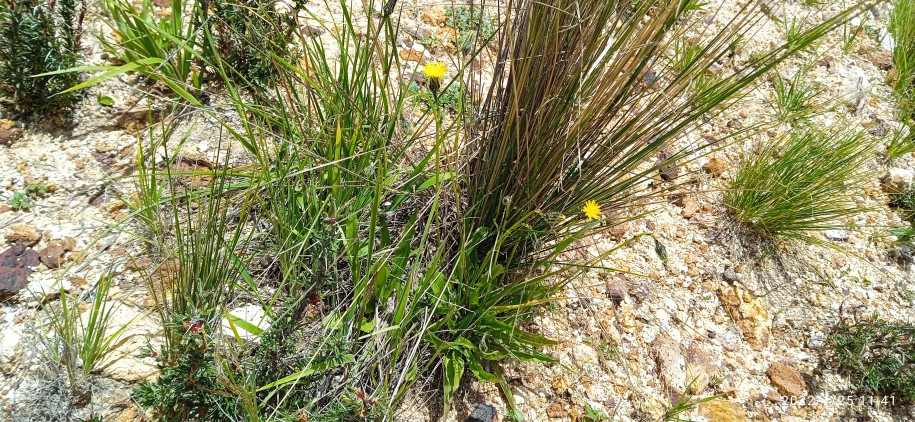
pixel 435 179
pixel 244 325
pixel 454 369
pixel 105 100
pixel 367 326
pixel 477 368
pixel 110 71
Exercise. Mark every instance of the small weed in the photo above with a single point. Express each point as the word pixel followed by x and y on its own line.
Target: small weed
pixel 449 99
pixel 794 99
pixel 800 185
pixel 605 349
pixel 686 53
pixel 905 204
pixel 38 37
pixel 430 40
pixel 23 200
pixel 861 280
pixel 20 201
pixel 876 355
pixel 473 28
pixel 850 34
pixel 686 403
pixel 595 415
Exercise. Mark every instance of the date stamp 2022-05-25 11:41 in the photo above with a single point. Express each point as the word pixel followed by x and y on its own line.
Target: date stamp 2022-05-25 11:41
pixel 837 400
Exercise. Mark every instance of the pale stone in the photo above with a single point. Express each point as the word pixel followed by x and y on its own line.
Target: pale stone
pixel 254 315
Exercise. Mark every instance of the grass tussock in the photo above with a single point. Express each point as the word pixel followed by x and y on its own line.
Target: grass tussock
pixel 902 27
pixel 902 77
pixel 82 336
pixel 805 183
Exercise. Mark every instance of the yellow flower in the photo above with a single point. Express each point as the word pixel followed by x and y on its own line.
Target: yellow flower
pixel 591 210
pixel 435 70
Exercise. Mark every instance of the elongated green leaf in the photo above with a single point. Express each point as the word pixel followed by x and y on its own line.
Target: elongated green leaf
pixel 108 74
pixel 244 324
pixel 311 369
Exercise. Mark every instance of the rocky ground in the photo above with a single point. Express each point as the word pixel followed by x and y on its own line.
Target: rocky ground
pixel 725 314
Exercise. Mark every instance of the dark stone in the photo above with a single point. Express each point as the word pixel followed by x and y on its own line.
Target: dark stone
pixel 53 255
pixel 667 167
pixel 640 292
pixel 8 135
pixel 16 264
pixel 313 31
pixel 482 413
pixel 617 291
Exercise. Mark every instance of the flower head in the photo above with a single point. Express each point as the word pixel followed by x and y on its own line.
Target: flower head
pixel 435 70
pixel 591 210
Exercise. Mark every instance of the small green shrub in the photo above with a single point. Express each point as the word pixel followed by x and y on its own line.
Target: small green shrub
pixel 905 204
pixel 877 356
pixel 37 37
pixel 187 387
pixel 243 36
pixel 802 184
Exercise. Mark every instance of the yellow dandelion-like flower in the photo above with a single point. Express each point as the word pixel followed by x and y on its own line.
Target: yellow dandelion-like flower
pixel 435 70
pixel 591 210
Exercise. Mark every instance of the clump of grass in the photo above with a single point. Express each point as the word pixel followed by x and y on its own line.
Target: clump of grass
pixel 803 184
pixel 160 48
pixel 38 37
pixel 389 265
pixel 877 356
pixel 902 27
pixel 584 112
pixel 350 287
pixel 685 403
pixel 78 342
pixel 795 98
pixel 685 53
pixel 535 163
pixel 902 143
